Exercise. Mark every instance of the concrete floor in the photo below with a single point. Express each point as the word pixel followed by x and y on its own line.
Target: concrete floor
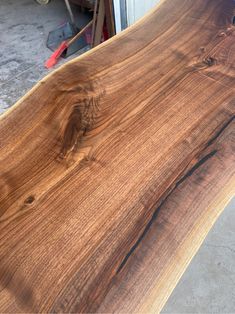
pixel 24 26
pixel 208 285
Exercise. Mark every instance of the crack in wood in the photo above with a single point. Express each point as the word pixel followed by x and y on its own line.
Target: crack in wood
pixel 213 139
pixel 154 216
pixel 189 173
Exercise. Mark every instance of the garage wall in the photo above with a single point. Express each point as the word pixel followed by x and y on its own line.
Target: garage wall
pixel 127 12
pixel 137 8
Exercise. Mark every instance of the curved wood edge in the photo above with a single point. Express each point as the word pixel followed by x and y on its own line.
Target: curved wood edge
pixel 79 58
pixel 176 231
pixel 43 270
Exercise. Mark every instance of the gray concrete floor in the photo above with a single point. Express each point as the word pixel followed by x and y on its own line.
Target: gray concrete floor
pixel 208 285
pixel 24 26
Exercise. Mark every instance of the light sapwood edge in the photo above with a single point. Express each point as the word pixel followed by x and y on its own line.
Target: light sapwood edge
pixel 219 115
pixel 187 251
pixel 165 280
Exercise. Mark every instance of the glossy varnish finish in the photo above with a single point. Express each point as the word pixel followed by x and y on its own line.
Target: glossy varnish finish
pixel 91 153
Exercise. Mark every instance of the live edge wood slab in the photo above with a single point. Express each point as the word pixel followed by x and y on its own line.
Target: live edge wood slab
pixel 114 167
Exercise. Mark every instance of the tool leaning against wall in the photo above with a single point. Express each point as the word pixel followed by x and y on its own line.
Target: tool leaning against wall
pixel 102 28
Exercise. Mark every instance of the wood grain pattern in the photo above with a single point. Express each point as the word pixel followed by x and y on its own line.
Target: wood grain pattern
pixel 177 228
pixel 97 146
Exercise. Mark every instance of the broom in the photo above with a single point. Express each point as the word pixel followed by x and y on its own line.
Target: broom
pixel 63 46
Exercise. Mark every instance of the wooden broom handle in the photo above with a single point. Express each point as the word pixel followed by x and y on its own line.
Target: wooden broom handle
pixel 80 33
